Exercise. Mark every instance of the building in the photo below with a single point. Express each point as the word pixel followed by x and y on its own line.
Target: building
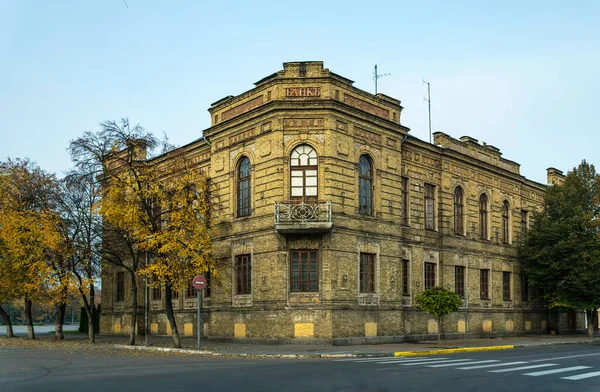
pixel 329 218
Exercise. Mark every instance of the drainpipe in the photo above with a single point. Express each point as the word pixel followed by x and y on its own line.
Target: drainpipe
pixel 206 140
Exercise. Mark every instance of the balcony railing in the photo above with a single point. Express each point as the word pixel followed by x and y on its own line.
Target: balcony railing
pixel 303 217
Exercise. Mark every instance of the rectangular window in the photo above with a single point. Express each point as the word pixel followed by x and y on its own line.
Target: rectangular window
pixel 506 286
pixel 367 273
pixel 156 291
pixel 120 291
pixel 523 224
pixel 459 281
pixel 429 207
pixel 190 292
pixel 405 277
pixel 157 213
pixel 484 283
pixel 243 275
pixel 429 275
pixel 208 284
pixel 304 271
pixel 405 199
pixel 174 294
pixel 524 288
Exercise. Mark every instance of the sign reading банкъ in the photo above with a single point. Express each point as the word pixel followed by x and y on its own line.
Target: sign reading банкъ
pixel 303 92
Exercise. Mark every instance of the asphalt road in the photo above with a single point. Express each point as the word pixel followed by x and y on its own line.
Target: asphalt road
pixel 556 368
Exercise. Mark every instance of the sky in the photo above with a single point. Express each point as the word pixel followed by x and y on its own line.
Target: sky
pixel 523 76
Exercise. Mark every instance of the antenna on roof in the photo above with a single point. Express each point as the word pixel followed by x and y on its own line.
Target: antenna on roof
pixel 376 76
pixel 428 99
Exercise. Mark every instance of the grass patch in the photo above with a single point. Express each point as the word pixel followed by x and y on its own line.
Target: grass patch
pixel 75 332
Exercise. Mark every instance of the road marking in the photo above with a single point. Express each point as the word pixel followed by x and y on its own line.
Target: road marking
pixel 522 368
pixel 581 376
pixel 398 360
pixel 493 365
pixel 435 362
pixel 451 350
pixel 556 359
pixel 465 363
pixel 360 360
pixel 552 371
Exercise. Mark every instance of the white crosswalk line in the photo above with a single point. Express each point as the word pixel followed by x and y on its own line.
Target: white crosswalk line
pixel 411 360
pixel 471 362
pixel 522 368
pixel 553 371
pixel 492 365
pixel 375 359
pixel 435 361
pixel 581 376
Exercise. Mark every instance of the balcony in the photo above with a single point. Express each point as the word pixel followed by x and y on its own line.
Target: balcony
pixel 293 217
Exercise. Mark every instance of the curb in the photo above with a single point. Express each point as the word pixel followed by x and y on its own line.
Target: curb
pixel 207 353
pixel 451 351
pixel 245 355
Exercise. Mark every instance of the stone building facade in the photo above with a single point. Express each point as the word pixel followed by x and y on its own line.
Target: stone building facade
pixel 329 218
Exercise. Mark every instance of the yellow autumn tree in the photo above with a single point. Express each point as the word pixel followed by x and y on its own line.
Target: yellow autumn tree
pixel 28 235
pixel 157 207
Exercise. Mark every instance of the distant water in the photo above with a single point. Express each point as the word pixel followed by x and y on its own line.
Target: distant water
pixel 21 330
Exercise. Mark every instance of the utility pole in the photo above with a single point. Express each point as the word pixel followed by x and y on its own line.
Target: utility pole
pixel 376 77
pixel 429 104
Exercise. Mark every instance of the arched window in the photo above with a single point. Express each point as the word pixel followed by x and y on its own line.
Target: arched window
pixel 243 187
pixel 458 211
pixel 483 217
pixel 304 174
pixel 365 186
pixel 505 222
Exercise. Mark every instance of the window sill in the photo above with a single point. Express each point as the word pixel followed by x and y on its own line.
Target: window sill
pixel 242 300
pixel 368 299
pixel 304 298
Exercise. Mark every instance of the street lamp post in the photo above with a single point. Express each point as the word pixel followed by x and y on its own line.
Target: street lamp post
pixel 466 304
pixel 146 310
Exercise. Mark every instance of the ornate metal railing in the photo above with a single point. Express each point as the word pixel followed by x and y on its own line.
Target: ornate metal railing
pixel 302 212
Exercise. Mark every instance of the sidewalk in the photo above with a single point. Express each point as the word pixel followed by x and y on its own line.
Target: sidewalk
pixel 302 351
pixel 210 348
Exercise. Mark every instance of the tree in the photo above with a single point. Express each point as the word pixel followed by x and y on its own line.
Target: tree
pixel 154 209
pixel 438 302
pixel 28 233
pixel 95 155
pixel 81 234
pixel 177 227
pixel 561 251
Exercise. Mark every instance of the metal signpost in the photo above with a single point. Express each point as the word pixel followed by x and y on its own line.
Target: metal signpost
pixel 199 283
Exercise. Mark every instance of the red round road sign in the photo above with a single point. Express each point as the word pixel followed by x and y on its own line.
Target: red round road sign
pixel 199 282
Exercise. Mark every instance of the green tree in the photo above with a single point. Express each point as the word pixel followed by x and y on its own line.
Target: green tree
pixel 438 302
pixel 561 251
